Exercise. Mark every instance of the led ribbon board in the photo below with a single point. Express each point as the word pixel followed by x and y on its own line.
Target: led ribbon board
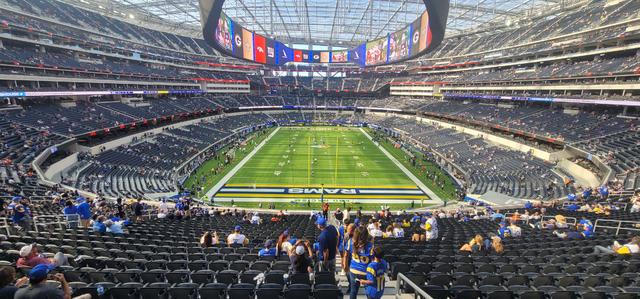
pixel 417 38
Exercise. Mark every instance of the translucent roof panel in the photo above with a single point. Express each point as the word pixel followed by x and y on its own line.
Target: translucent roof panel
pixel 331 22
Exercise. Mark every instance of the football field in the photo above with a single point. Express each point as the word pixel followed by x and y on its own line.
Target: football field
pixel 319 162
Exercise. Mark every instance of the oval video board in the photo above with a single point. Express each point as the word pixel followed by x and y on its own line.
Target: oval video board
pixel 417 38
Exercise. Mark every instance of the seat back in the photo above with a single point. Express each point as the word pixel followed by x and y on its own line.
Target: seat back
pixel 269 290
pixel 297 291
pixel 300 278
pixel 326 291
pixel 184 290
pixel 241 291
pixel 213 291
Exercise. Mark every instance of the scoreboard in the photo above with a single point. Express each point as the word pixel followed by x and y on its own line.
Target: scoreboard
pixel 416 39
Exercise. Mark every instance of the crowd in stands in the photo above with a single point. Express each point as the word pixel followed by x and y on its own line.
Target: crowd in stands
pixel 487 167
pixel 176 55
pixel 540 248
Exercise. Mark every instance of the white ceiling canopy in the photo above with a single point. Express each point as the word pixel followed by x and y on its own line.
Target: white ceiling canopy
pixel 326 22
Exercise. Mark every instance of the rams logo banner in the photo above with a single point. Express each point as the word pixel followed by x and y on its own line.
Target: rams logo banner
pixel 337 192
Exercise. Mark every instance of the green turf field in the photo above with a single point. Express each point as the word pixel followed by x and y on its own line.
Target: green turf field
pixel 319 160
pixel 312 156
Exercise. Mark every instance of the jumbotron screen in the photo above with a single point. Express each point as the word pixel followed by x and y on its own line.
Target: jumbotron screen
pixel 416 39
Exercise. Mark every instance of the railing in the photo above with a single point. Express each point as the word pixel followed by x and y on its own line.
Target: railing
pixel 417 291
pixel 634 226
pixel 622 205
pixel 570 220
pixel 5 225
pixel 47 220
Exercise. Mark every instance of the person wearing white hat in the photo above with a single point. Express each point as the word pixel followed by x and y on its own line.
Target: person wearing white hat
pixel 301 258
pixel 30 257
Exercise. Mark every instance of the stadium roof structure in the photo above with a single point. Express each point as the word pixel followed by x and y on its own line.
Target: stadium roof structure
pixel 326 22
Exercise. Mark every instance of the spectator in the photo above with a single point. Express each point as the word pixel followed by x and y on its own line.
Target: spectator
pixel 516 231
pixel 7 276
pixel 633 247
pixel 283 246
pixel 301 258
pixel 338 215
pixel 114 227
pixel 268 249
pixel 341 234
pixel 586 233
pixel 120 208
pixel 418 234
pixel 494 245
pixel 583 222
pixel 635 208
pixel 236 238
pixel 30 257
pixel 69 209
pixel 504 231
pixel 431 227
pixel 374 230
pixel 99 226
pixel 209 239
pixel 416 217
pixel 38 288
pixel 561 222
pixel 84 210
pixel 163 209
pixel 388 233
pixel 255 219
pixel 328 245
pixel 398 232
pixel 71 214
pixel 374 284
pixel 406 223
pixel 138 210
pixel 359 249
pixel 497 216
pixel 474 245
pixel 342 247
pixel 325 210
pixel 528 205
pixel 21 217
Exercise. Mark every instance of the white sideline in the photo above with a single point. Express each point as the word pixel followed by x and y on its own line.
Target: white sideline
pixel 244 161
pixel 408 173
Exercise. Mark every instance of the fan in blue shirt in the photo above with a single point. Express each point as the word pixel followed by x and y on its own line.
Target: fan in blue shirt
pixel 504 231
pixel 374 285
pixel 98 225
pixel 268 249
pixel 83 208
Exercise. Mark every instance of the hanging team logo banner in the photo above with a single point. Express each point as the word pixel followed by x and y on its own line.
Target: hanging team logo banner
pixel 260 48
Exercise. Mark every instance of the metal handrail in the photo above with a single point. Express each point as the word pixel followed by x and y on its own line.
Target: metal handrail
pixel 617 227
pixel 622 205
pixel 570 220
pixel 6 226
pixel 61 223
pixel 417 291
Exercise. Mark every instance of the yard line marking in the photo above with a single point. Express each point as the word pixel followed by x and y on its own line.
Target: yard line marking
pixel 365 191
pixel 238 166
pixel 409 174
pixel 257 190
pixel 326 186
